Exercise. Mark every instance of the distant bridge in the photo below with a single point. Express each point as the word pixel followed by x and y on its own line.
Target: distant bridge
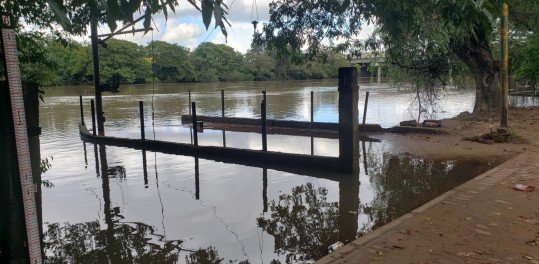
pixel 368 60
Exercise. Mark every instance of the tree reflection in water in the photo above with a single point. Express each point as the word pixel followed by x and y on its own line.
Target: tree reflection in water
pixel 402 183
pixel 89 243
pixel 303 223
pixel 209 255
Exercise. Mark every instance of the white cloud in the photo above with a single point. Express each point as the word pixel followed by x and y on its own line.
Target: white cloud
pixel 239 37
pixel 182 32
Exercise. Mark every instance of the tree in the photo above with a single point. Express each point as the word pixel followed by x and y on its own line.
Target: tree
pixel 124 62
pixel 218 63
pixel 529 68
pixel 424 37
pixel 171 62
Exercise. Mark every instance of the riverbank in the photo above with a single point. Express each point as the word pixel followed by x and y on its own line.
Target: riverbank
pixel 523 122
pixel 484 220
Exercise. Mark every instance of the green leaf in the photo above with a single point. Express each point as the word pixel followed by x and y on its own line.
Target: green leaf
pixel 60 14
pixel 207 12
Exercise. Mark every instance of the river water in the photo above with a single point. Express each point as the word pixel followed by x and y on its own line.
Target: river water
pixel 118 205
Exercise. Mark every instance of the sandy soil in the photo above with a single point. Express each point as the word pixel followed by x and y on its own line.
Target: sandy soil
pixel 523 122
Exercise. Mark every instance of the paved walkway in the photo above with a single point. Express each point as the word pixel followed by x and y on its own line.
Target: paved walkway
pixel 481 221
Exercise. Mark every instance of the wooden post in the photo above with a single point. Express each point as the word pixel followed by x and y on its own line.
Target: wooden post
pixel 92 108
pixel 365 107
pixel 265 190
pixel 141 111
pixel 312 106
pixel 505 64
pixel 197 180
pixel 263 126
pixel 223 103
pixel 189 102
pixel 195 129
pixel 81 110
pixel 312 145
pixel 348 119
pixel 145 169
pixel 264 96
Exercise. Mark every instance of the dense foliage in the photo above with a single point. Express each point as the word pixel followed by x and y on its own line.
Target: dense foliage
pixel 70 63
pixel 428 40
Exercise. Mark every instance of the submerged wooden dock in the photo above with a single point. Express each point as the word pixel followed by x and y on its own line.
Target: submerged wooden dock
pixel 311 165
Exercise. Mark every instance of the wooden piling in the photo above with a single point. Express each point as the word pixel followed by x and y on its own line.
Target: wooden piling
pixel 141 111
pixel 265 190
pixel 223 103
pixel 365 107
pixel 263 126
pixel 81 111
pixel 195 129
pixel 92 108
pixel 197 180
pixel 190 113
pixel 348 119
pixel 264 96
pixel 312 106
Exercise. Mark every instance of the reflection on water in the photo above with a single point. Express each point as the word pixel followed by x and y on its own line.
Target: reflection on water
pixel 300 222
pixel 118 205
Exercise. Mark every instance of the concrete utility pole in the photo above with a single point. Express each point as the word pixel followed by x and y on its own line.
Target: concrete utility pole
pixel 505 64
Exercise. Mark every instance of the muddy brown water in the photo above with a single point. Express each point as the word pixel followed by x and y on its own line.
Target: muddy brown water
pixel 119 205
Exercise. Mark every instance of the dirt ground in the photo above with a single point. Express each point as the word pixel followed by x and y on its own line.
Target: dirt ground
pixel 523 122
pixel 484 220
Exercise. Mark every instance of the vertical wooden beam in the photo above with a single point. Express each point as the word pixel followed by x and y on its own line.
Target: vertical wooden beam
pixel 92 109
pixel 189 92
pixel 81 110
pixel 141 113
pixel 365 107
pixel 195 129
pixel 348 119
pixel 312 106
pixel 223 103
pixel 263 126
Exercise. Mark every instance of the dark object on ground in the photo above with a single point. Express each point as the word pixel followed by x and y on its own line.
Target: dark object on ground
pixel 432 123
pixel 501 135
pixel 410 123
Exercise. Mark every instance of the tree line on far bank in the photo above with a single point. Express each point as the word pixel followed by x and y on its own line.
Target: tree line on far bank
pixel 70 63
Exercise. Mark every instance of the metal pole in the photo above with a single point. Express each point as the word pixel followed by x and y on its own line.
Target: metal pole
pixel 505 63
pixel 92 107
pixel 195 129
pixel 97 80
pixel 81 110
pixel 141 111
pixel 263 125
pixel 223 103
pixel 365 107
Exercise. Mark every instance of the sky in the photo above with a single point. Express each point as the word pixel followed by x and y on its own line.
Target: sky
pixel 185 26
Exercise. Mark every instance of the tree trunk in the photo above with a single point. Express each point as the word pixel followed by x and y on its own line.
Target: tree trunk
pixel 476 54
